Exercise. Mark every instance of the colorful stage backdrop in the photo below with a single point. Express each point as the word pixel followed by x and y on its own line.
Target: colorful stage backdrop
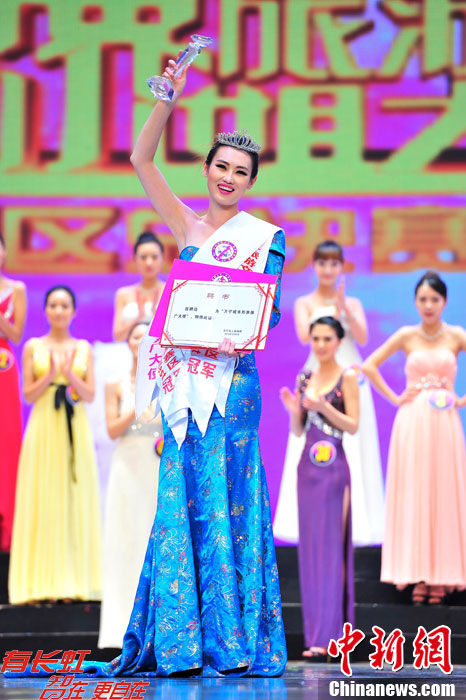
pixel 360 106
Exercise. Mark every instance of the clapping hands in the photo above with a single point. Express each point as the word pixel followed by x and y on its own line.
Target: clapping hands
pixel 291 400
pixel 341 297
pixel 53 366
pixel 314 403
pixel 67 366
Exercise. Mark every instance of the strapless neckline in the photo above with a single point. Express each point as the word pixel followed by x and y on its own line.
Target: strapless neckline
pixel 431 350
pixel 317 311
pixel 431 367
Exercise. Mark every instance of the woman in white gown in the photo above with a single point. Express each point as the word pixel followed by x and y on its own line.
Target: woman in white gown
pixel 135 302
pixel 138 302
pixel 362 448
pixel 131 498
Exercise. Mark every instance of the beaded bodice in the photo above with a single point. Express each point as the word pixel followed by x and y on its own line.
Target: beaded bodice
pixel 431 369
pixel 334 397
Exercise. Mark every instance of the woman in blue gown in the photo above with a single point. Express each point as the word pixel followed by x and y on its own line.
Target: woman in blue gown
pixel 209 596
pixel 208 599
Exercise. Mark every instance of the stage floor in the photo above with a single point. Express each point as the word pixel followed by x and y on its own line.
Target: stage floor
pixel 301 680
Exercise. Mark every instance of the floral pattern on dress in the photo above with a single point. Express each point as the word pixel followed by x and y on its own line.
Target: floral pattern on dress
pixel 208 598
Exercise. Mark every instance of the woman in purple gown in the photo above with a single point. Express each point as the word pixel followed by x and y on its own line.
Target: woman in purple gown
pixel 324 405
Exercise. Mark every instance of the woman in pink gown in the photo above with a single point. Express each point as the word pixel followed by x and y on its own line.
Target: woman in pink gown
pixel 12 317
pixel 425 528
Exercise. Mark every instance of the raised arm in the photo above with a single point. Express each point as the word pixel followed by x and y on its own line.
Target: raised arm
pixel 371 365
pixel 172 210
pixel 351 312
pixel 14 331
pixel 292 403
pixel 355 317
pixel 301 320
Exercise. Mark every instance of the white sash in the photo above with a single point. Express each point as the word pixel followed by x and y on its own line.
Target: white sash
pixel 181 379
pixel 236 242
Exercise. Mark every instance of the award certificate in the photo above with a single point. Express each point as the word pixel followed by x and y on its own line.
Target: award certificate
pixel 201 314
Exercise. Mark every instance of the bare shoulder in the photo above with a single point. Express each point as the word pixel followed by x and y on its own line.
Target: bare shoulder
pixel 124 292
pixel 350 372
pixel 350 378
pixel 304 302
pixel 404 333
pixel 459 336
pixel 28 347
pixel 19 286
pixel 84 344
pixel 457 331
pixel 113 386
pixel 354 302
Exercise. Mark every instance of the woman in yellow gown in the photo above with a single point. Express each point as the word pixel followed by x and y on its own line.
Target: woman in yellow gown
pixel 56 543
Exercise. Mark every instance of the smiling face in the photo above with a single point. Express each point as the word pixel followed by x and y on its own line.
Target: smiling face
pixel 429 304
pixel 328 270
pixel 137 334
pixel 149 260
pixel 59 309
pixel 229 175
pixel 324 341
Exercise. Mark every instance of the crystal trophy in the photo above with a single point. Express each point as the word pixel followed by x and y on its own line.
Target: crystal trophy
pixel 161 87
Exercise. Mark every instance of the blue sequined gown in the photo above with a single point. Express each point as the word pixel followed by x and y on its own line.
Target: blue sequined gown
pixel 208 598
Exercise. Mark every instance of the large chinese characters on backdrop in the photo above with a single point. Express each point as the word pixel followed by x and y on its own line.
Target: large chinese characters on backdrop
pixel 359 105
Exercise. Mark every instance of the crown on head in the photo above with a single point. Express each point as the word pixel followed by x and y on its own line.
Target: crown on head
pixel 238 139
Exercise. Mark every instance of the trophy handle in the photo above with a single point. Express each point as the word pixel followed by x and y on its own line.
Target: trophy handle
pixel 161 87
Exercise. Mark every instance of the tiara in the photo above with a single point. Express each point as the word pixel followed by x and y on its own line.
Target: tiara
pixel 238 139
